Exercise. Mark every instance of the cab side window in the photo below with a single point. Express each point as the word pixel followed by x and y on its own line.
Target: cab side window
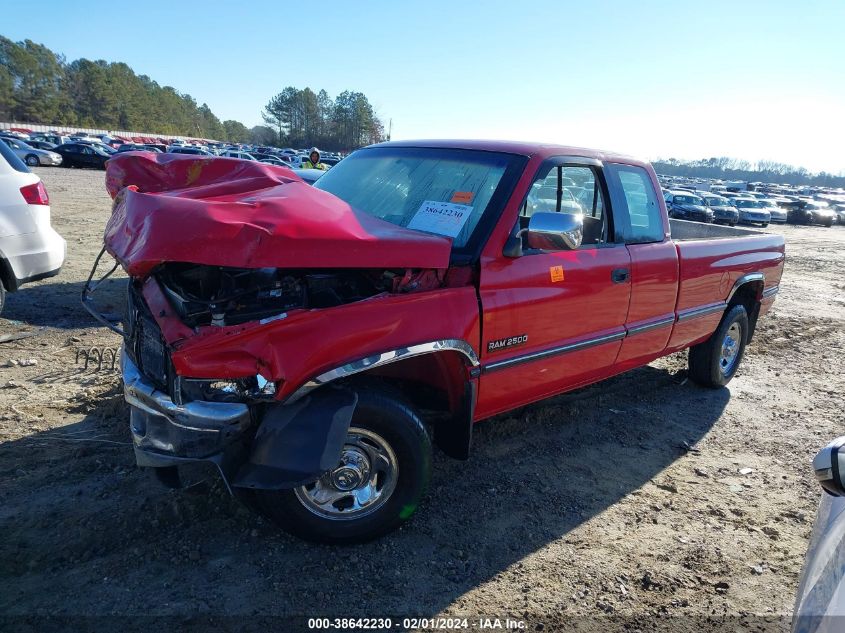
pixel 569 189
pixel 645 221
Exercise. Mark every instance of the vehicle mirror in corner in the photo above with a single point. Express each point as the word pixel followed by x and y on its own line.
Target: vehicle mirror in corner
pixel 555 231
pixel 829 466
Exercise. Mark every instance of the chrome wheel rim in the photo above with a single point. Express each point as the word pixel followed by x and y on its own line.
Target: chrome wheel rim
pixel 730 349
pixel 360 484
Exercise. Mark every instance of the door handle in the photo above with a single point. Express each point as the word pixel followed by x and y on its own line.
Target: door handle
pixel 619 275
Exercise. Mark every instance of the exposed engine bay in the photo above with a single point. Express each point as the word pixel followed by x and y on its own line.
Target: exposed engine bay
pixel 217 295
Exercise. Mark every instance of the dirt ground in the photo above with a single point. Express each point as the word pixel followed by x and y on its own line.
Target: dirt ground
pixel 621 506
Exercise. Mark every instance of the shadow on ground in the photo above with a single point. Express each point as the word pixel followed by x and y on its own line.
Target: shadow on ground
pixel 57 304
pixel 87 533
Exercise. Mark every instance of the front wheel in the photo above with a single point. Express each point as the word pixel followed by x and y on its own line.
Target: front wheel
pixel 382 474
pixel 31 160
pixel 714 362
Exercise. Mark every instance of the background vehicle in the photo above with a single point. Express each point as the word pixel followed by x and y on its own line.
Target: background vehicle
pixel 751 211
pixel 723 211
pixel 96 143
pixel 187 149
pixel 380 282
pixel 687 206
pixel 31 155
pixel 82 155
pixel 55 139
pixel 231 153
pixel 45 145
pixel 136 147
pixel 776 213
pixel 810 212
pixel 29 247
pixel 820 602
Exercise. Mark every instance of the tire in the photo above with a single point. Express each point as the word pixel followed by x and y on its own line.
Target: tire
pixel 32 160
pixel 764 224
pixel 381 419
pixel 707 360
pixel 2 297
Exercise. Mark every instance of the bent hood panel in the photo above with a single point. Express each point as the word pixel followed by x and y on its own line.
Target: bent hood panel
pixel 231 212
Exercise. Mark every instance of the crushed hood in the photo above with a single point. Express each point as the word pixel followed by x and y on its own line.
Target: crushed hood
pixel 231 212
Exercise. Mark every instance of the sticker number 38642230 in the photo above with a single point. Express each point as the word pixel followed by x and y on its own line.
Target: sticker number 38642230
pixel 442 218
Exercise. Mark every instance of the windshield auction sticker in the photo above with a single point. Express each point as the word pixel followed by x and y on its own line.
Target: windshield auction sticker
pixel 442 218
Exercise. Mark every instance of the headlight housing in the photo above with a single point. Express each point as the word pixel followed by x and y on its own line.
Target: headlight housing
pixel 252 389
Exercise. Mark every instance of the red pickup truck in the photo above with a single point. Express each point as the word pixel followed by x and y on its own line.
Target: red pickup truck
pixel 313 343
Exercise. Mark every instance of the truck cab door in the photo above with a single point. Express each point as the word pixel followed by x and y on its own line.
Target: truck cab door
pixel 552 321
pixel 644 228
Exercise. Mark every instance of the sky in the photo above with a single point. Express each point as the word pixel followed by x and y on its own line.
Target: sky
pixel 751 80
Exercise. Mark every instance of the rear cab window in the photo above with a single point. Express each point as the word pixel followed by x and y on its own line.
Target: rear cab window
pixel 637 213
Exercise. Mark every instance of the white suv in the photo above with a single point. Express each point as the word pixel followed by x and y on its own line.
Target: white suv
pixel 29 247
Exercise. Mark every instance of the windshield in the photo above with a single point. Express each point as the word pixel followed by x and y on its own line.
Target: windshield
pixel 440 191
pixel 716 202
pixel 746 204
pixel 688 200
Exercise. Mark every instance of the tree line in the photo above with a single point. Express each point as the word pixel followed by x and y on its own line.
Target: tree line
pixel 733 169
pixel 301 117
pixel 42 87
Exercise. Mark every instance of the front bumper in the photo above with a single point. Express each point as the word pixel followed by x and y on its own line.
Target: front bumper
pixel 166 434
pixel 730 217
pixel 755 217
pixel 34 255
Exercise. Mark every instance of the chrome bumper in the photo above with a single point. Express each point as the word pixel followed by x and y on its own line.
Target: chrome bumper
pixel 167 434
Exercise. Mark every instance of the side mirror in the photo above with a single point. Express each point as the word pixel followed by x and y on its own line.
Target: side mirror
pixel 555 231
pixel 829 465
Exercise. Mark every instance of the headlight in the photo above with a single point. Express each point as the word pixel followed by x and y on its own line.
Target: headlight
pixel 226 390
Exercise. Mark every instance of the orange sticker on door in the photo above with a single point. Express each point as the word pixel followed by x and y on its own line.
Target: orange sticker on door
pixel 556 273
pixel 462 197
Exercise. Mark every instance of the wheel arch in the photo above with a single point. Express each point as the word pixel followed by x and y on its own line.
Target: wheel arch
pixel 747 291
pixel 7 275
pixel 438 377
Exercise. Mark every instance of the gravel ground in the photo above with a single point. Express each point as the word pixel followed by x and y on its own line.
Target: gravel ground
pixel 621 506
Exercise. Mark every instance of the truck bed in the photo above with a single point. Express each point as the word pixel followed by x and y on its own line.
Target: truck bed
pixel 711 259
pixel 685 230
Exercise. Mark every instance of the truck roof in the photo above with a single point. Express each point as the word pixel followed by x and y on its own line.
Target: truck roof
pixel 543 150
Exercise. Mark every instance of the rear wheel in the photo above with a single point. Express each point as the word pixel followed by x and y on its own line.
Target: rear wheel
pixel 382 474
pixel 31 160
pixel 714 362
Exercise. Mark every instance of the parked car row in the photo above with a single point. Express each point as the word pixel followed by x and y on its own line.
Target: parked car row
pixel 43 149
pixel 717 203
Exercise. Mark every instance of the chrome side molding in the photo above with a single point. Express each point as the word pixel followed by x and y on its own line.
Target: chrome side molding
pixel 385 358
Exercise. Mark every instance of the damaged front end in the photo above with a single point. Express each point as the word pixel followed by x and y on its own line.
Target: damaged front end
pixel 246 284
pixel 253 437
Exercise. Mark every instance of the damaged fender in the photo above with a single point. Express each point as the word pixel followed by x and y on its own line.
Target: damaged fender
pixel 296 443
